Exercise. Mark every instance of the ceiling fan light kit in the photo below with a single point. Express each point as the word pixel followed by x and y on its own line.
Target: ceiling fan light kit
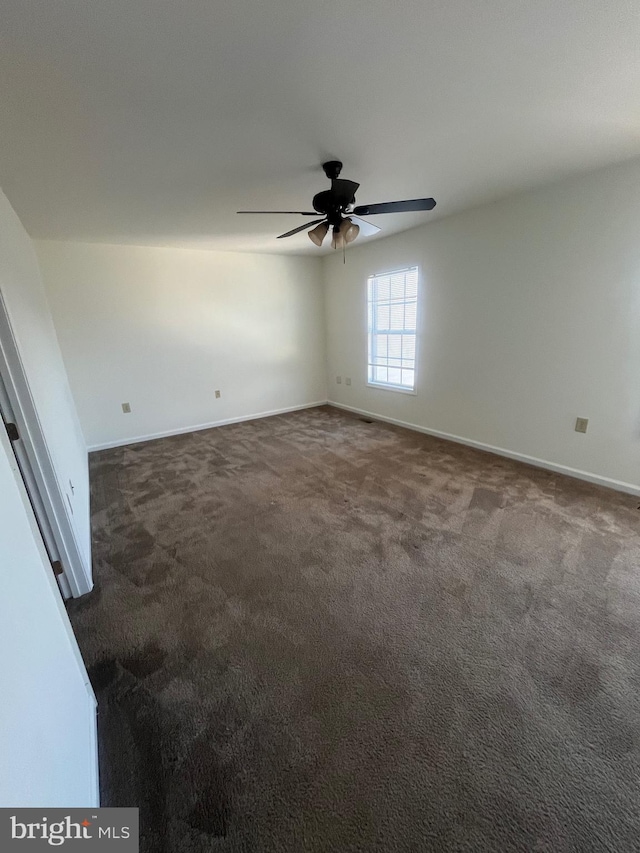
pixel 338 207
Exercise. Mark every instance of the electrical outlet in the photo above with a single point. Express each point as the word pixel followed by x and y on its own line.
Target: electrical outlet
pixel 581 424
pixel 126 408
pixel 217 395
pixel 339 380
pixel 347 381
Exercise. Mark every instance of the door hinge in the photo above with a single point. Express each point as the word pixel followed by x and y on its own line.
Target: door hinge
pixel 12 432
pixel 56 565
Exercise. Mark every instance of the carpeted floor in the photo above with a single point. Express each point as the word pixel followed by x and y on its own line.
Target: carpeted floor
pixel 313 633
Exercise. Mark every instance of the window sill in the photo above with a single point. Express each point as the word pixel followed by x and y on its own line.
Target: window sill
pixel 397 388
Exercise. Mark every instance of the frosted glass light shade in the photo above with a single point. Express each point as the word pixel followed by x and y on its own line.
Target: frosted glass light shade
pixel 317 234
pixel 352 233
pixel 349 230
pixel 337 239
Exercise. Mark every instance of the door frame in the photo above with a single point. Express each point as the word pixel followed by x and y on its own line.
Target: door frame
pixel 26 471
pixel 37 450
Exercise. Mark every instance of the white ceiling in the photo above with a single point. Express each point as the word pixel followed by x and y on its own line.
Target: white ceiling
pixel 153 121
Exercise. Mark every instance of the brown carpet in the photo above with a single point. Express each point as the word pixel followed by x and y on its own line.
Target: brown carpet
pixel 312 633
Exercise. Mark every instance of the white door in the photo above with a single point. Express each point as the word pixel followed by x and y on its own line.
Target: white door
pixel 48 754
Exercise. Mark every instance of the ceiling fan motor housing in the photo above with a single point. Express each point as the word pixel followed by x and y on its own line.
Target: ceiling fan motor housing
pixel 325 202
pixel 334 202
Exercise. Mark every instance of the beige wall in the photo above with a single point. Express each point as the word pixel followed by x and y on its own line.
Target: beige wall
pixel 162 329
pixel 530 317
pixel 30 317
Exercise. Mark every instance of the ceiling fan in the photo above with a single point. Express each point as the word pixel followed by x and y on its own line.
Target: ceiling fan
pixel 340 213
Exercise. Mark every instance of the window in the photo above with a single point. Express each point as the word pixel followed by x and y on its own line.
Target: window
pixel 393 312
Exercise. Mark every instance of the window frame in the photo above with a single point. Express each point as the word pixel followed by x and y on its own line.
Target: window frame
pixel 387 386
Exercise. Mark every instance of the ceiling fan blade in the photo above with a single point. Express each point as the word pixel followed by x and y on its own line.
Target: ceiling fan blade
pixel 301 212
pixel 367 229
pixel 300 228
pixel 395 206
pixel 343 191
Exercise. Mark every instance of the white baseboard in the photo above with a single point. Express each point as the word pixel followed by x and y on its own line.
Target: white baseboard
pixel 122 442
pixel 94 758
pixel 618 485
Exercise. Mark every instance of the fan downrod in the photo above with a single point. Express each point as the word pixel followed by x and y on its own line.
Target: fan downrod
pixel 332 169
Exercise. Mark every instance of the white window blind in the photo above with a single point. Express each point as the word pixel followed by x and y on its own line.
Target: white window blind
pixel 393 314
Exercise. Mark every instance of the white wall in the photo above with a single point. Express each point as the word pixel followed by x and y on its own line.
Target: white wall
pixel 162 329
pixel 47 712
pixel 530 318
pixel 30 318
